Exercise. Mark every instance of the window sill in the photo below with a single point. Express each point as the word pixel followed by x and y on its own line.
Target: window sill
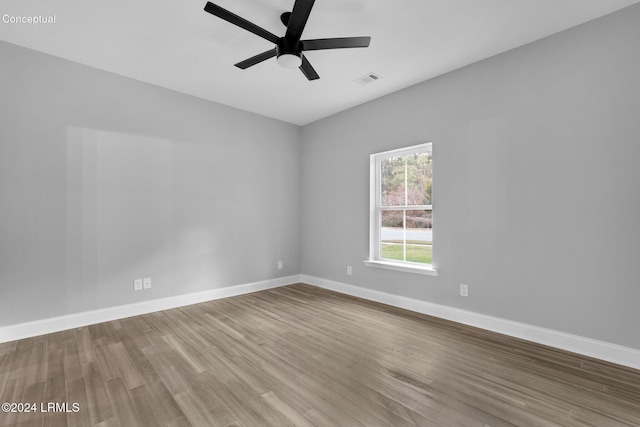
pixel 389 265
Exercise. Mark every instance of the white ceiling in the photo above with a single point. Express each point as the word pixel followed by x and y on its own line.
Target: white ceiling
pixel 175 44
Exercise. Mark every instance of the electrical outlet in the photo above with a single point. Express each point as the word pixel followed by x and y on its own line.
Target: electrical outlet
pixel 464 290
pixel 279 265
pixel 137 285
pixel 349 270
pixel 147 282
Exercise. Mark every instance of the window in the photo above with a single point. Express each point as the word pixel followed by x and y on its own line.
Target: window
pixel 401 223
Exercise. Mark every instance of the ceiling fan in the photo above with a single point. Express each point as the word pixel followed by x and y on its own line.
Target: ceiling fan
pixel 288 48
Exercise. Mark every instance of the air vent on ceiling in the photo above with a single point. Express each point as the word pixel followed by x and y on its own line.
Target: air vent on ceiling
pixel 367 78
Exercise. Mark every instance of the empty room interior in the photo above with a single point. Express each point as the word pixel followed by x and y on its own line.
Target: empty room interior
pixel 329 213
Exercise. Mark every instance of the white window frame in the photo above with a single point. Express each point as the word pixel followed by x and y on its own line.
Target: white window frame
pixel 375 209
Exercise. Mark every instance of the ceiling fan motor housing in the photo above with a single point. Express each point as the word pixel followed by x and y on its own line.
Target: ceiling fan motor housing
pixel 289 53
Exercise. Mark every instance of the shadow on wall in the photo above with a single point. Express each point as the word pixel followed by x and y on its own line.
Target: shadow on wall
pixel 140 206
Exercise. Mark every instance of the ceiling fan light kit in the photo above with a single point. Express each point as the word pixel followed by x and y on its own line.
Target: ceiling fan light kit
pixel 289 60
pixel 289 48
pixel 288 55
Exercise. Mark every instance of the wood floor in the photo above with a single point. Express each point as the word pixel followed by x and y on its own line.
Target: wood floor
pixel 303 356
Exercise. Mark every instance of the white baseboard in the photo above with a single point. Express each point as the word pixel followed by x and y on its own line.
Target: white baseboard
pixel 602 350
pixel 76 320
pixel 586 346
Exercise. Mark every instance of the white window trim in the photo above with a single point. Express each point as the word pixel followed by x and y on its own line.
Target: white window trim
pixel 426 269
pixel 374 231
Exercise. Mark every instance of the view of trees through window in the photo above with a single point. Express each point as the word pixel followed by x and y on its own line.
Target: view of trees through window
pixel 405 208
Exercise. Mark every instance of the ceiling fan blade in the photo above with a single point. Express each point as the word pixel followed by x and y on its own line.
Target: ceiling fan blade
pixel 308 70
pixel 240 22
pixel 297 21
pixel 336 43
pixel 256 59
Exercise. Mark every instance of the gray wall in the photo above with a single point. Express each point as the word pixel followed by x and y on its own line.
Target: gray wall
pixel 104 179
pixel 536 183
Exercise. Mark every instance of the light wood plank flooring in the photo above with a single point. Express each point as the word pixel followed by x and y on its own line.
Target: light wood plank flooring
pixel 303 356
